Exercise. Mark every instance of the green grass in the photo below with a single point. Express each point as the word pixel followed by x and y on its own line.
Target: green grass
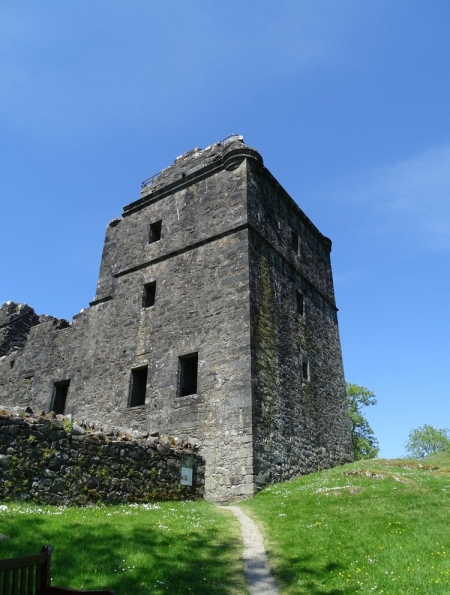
pixel 171 547
pixel 369 527
pixel 440 459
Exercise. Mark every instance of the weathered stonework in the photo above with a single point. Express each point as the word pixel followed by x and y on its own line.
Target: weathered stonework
pixel 16 321
pixel 48 459
pixel 214 261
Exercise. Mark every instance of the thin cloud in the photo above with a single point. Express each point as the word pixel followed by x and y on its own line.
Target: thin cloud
pixel 413 197
pixel 407 203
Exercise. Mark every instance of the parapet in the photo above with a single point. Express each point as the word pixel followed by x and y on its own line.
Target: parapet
pixel 224 154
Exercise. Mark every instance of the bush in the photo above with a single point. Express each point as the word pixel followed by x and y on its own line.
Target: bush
pixel 427 440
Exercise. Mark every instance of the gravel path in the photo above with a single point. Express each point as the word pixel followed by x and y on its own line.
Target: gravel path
pixel 259 579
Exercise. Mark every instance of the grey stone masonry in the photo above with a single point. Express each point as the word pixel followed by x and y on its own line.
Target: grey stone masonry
pixel 16 321
pixel 214 320
pixel 49 459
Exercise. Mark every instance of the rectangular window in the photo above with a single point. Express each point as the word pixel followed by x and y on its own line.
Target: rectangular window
pixel 294 241
pixel 188 374
pixel 138 386
pixel 60 390
pixel 148 298
pixel 155 232
pixel 305 369
pixel 300 304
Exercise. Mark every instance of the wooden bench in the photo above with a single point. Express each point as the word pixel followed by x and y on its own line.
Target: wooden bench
pixel 31 575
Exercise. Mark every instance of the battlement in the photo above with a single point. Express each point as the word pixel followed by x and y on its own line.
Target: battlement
pixel 194 164
pixel 192 160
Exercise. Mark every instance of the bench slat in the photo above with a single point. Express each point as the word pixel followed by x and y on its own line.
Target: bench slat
pixel 5 582
pixel 15 580
pixel 23 580
pixel 31 578
pixel 12 563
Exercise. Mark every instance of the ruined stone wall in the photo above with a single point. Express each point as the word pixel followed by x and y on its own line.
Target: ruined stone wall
pixel 16 320
pixel 200 266
pixel 50 460
pixel 210 260
pixel 300 408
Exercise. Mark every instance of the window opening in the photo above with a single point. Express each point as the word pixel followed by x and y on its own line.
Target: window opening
pixel 148 299
pixel 138 386
pixel 294 241
pixel 300 304
pixel 60 390
pixel 155 232
pixel 188 374
pixel 305 369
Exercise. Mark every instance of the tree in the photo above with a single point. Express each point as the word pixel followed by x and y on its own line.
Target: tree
pixel 427 440
pixel 365 444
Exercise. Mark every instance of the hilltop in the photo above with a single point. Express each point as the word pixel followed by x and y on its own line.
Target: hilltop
pixel 376 526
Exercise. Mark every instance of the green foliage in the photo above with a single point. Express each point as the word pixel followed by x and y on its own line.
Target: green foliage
pixel 369 527
pixel 365 444
pixel 426 440
pixel 68 425
pixel 48 453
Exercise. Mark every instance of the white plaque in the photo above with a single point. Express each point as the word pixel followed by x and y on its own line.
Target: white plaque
pixel 187 464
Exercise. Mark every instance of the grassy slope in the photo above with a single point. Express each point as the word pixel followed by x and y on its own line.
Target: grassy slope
pixel 171 547
pixel 369 527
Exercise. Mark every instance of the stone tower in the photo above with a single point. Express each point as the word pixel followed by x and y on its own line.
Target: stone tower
pixel 214 321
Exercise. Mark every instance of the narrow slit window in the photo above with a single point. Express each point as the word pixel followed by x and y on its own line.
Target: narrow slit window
pixel 148 298
pixel 294 241
pixel 155 232
pixel 60 390
pixel 138 386
pixel 188 374
pixel 300 303
pixel 305 369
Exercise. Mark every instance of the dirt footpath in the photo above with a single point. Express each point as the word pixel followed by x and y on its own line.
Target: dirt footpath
pixel 259 579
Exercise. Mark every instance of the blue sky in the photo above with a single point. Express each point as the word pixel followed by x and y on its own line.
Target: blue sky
pixel 348 103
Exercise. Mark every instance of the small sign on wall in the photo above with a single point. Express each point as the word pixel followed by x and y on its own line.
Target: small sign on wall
pixel 187 470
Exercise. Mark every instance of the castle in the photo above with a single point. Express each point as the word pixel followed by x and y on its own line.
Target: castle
pixel 214 321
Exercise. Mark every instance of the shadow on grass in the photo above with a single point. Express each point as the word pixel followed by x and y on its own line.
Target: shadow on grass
pixel 310 577
pixel 200 563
